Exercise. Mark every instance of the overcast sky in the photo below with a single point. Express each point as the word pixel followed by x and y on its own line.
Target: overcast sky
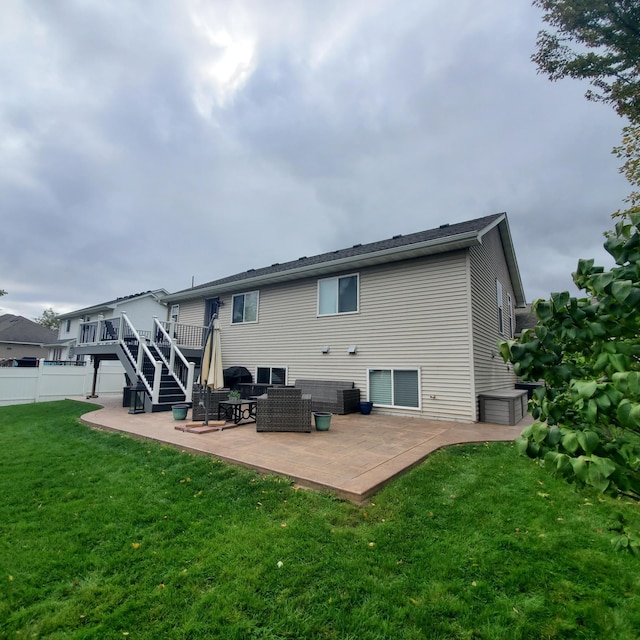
pixel 146 144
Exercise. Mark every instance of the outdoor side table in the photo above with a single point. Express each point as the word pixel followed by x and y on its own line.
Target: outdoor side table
pixel 237 410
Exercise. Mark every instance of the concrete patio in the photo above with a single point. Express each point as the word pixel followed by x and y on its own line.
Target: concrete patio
pixel 353 460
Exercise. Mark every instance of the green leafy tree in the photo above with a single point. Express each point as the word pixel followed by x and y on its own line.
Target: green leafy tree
pixel 598 41
pixel 629 151
pixel 587 353
pixel 49 318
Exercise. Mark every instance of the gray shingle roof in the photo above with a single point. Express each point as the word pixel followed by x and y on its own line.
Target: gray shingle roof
pixel 20 329
pixel 109 303
pixel 442 232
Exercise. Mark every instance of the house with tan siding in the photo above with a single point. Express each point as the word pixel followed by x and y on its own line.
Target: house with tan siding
pixel 414 320
pixel 81 326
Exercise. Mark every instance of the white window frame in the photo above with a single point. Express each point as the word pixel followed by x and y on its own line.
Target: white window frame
pixel 500 306
pixel 511 317
pixel 337 279
pixel 67 326
pixel 392 370
pixel 246 293
pixel 271 368
pixel 174 313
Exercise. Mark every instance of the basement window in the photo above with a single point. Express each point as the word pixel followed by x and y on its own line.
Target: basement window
pixel 395 388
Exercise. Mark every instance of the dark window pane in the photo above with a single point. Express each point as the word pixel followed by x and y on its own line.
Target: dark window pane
pixel 278 375
pixel 405 388
pixel 238 308
pixel 262 375
pixel 348 294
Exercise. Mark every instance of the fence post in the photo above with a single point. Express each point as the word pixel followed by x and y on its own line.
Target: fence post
pixel 39 379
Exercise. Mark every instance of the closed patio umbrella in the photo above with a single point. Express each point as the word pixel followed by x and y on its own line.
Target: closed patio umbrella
pixel 215 378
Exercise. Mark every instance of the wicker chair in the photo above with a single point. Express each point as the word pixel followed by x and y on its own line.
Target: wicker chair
pixel 283 409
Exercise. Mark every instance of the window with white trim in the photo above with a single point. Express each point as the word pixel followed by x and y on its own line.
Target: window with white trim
pixel 338 295
pixel 67 326
pixel 245 308
pixel 500 306
pixel 511 317
pixel 395 388
pixel 271 375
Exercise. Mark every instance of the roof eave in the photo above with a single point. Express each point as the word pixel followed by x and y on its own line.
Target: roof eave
pixel 395 254
pixel 512 263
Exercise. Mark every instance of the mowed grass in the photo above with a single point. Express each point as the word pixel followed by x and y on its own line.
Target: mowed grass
pixel 105 536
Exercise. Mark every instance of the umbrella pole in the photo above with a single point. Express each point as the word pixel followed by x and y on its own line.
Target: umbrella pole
pixel 205 392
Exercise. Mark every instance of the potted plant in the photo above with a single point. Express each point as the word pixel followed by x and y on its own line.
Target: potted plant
pixel 179 411
pixel 322 420
pixel 365 407
pixel 234 395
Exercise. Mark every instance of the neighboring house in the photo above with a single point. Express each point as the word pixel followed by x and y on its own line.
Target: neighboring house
pixel 21 337
pixel 79 327
pixel 525 319
pixel 414 320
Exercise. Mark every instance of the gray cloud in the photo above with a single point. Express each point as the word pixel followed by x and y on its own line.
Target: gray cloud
pixel 135 140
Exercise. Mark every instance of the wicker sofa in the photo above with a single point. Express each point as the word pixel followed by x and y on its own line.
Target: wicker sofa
pixel 331 396
pixel 283 409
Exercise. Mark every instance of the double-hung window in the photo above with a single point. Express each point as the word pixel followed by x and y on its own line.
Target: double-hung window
pixel 245 308
pixel 395 387
pixel 338 295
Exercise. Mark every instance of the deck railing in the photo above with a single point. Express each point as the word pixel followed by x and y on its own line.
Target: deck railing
pixel 147 368
pixel 190 336
pixel 135 344
pixel 183 371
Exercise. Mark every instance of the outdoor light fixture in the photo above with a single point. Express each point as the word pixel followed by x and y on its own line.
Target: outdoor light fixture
pixel 137 398
pixel 352 349
pixel 325 349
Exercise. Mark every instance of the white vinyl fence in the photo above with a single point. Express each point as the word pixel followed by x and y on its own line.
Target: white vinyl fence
pixel 23 385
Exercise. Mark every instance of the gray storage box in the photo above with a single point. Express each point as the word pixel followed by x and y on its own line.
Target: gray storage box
pixel 503 406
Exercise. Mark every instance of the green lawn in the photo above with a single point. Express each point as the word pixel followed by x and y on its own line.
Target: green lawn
pixel 103 536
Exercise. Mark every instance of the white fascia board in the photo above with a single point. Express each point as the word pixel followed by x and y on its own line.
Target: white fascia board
pixel 510 256
pixel 83 312
pixel 395 254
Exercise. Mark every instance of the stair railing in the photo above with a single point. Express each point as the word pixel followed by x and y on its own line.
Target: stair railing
pixel 128 336
pixel 182 371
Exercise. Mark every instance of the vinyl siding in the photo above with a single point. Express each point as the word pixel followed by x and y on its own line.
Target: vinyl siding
pixel 487 262
pixel 412 315
pixel 191 311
